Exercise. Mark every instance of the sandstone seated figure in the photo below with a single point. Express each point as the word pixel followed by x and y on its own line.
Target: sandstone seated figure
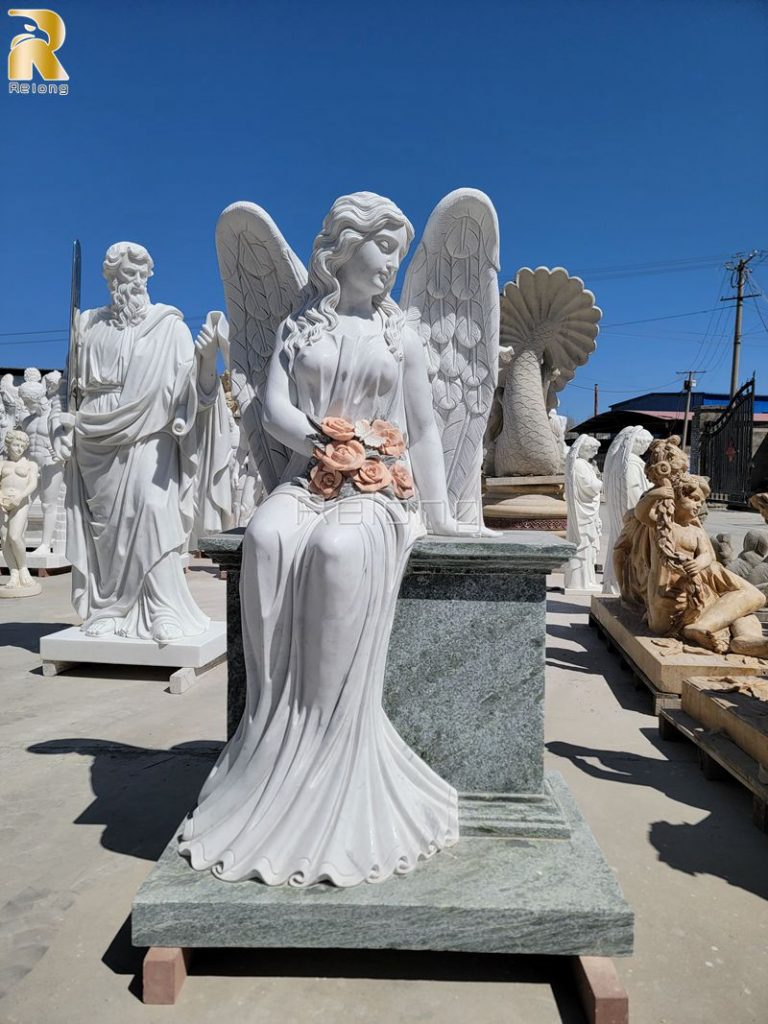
pixel 667 568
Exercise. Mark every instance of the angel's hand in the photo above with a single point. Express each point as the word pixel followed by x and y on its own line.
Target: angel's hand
pixel 206 344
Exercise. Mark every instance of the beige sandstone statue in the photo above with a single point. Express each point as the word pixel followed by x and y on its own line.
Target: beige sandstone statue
pixel 18 480
pixel 666 564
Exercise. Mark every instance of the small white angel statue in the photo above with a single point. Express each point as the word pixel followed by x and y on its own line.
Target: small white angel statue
pixel 365 417
pixel 582 495
pixel 625 483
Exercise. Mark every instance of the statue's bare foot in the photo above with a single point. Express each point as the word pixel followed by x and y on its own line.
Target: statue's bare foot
pixel 166 631
pixel 13 579
pixel 101 627
pixel 715 642
pixel 25 579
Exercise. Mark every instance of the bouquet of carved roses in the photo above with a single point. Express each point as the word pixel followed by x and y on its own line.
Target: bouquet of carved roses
pixel 364 457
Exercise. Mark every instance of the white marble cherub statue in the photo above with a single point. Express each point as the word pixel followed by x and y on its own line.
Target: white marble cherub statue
pixel 36 398
pixel 366 420
pixel 135 431
pixel 18 480
pixel 582 495
pixel 624 483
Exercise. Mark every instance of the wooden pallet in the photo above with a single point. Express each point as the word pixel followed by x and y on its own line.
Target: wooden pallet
pixel 719 757
pixel 661 699
pixel 601 993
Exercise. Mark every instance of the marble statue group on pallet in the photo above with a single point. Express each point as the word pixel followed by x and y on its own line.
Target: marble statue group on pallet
pixel 27 408
pixel 365 419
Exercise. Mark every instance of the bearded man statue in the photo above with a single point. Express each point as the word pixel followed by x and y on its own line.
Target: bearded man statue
pixel 139 391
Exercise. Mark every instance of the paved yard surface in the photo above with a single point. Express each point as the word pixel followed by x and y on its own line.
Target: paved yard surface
pixel 96 772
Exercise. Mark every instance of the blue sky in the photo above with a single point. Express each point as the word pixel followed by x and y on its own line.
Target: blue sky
pixel 609 135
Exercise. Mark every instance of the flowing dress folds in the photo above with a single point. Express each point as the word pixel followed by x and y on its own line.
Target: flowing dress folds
pixel 316 784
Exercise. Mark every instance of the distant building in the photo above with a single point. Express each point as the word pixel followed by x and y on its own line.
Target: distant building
pixel 662 413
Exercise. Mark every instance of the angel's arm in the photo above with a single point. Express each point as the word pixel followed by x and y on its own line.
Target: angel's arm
pixel 424 445
pixel 282 419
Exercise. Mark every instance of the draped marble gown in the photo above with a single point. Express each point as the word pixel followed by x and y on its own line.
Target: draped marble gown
pixel 316 784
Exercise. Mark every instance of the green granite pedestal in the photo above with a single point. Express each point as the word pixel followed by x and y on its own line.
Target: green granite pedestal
pixel 465 688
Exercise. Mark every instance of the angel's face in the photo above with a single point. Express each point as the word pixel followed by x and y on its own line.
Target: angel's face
pixel 372 268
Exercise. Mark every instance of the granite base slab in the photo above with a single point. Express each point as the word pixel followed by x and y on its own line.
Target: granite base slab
pixel 486 894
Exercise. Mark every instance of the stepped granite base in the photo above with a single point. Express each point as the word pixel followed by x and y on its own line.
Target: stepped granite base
pixel 548 896
pixel 465 688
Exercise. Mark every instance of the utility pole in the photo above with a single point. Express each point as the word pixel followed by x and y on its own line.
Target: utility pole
pixel 739 274
pixel 597 399
pixel 688 385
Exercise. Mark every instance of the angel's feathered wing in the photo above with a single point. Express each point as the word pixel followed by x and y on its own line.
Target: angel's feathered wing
pixel 451 296
pixel 262 279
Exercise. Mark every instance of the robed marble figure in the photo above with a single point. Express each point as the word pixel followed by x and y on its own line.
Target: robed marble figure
pixel 138 389
pixel 366 419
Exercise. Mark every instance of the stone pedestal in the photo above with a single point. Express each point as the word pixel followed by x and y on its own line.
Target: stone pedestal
pixel 465 687
pixel 190 658
pixel 525 503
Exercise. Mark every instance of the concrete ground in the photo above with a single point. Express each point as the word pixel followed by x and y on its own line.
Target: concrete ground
pixel 96 772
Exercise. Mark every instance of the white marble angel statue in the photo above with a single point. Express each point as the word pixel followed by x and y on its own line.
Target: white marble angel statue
pixel 355 444
pixel 582 495
pixel 624 482
pixel 132 442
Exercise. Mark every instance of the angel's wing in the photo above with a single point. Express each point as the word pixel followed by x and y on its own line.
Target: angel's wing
pixel 451 296
pixel 262 279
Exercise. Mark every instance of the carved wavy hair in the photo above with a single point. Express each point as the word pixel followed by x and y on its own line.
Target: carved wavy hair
pixel 668 464
pixel 16 435
pixel 350 221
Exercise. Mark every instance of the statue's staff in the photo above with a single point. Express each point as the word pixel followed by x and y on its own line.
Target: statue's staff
pixel 74 320
pixel 64 403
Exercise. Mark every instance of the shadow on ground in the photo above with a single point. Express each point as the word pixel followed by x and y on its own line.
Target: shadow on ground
pixel 27 635
pixel 141 794
pixel 725 843
pixel 595 659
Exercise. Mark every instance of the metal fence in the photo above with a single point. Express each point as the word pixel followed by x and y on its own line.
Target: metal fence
pixel 725 454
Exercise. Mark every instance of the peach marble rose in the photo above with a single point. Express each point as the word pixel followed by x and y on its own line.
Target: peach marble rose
pixel 325 482
pixel 394 442
pixel 337 428
pixel 402 481
pixel 344 456
pixel 372 476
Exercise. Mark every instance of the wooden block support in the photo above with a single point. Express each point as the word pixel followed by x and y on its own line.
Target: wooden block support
pixel 603 997
pixel 164 972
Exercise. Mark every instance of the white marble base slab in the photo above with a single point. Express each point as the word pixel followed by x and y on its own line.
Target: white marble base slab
pixel 190 656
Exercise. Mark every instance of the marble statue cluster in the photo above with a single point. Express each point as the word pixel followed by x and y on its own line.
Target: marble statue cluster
pixel 583 487
pixel 350 403
pixel 624 482
pixel 135 422
pixel 667 569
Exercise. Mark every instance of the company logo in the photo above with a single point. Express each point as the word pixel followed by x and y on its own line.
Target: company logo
pixel 30 52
